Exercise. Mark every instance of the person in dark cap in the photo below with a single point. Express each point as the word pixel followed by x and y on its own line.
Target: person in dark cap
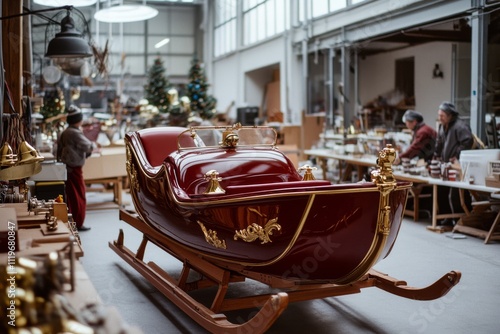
pixel 423 143
pixel 72 149
pixel 454 136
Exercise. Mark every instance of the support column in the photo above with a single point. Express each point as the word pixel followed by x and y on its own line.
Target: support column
pixel 479 67
pixel 346 88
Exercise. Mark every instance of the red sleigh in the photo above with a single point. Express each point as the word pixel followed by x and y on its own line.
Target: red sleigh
pixel 229 205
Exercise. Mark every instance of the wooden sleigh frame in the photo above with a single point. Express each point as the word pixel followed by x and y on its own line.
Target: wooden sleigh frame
pixel 270 305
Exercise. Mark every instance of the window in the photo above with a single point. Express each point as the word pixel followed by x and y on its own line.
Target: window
pixel 263 19
pixel 323 7
pixel 225 27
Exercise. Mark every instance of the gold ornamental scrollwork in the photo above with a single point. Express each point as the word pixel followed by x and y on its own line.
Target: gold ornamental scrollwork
pixel 131 171
pixel 211 237
pixel 255 231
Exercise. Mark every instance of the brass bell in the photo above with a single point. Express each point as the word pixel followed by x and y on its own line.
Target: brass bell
pixel 7 157
pixel 28 154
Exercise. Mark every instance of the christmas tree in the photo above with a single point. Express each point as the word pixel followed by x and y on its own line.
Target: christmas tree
pixel 157 87
pixel 201 103
pixel 53 103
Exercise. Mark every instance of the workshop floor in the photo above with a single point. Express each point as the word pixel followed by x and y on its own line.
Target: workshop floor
pixel 419 257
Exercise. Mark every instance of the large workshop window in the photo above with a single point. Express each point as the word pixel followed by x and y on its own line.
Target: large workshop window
pixel 225 27
pixel 263 19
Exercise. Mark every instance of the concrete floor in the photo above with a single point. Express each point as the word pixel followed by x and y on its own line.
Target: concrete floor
pixel 419 257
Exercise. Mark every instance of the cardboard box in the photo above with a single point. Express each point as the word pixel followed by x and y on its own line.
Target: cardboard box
pixel 292 152
pixel 494 167
pixel 475 163
pixel 312 126
pixel 109 163
pixel 53 171
pixel 492 181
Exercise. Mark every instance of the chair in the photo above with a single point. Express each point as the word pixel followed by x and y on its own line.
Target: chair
pixel 416 194
pixel 484 219
pixel 491 131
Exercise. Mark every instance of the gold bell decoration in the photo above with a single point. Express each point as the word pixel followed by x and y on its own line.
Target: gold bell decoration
pixel 26 162
pixel 27 154
pixel 7 157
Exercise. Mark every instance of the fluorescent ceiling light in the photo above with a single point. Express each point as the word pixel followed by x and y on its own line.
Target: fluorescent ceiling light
pixel 58 3
pixel 125 13
pixel 162 43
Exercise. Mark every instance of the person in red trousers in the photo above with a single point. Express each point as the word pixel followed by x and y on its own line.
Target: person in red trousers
pixel 73 148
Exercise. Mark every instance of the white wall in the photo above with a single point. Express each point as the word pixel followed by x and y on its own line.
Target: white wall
pixel 236 77
pixel 225 84
pixel 377 76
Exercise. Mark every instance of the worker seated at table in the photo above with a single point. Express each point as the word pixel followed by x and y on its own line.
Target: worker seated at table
pixel 454 136
pixel 422 146
pixel 423 142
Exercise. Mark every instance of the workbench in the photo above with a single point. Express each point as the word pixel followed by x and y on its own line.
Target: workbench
pixel 418 182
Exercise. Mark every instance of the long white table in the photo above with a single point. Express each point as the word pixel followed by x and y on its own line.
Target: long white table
pixel 370 161
pixel 359 161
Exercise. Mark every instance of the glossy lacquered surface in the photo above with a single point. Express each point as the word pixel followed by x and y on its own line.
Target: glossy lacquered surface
pixel 310 230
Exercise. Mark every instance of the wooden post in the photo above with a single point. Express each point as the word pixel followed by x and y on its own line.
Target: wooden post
pixel 12 45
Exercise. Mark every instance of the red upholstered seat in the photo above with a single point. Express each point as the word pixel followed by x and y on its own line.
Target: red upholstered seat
pixel 159 142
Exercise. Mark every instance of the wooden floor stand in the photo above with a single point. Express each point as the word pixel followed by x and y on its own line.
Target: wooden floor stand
pixel 270 305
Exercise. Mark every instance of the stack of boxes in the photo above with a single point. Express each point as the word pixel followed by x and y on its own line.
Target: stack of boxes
pixel 493 178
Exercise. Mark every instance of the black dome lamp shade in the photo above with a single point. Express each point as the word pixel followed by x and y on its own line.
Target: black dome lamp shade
pixel 69 42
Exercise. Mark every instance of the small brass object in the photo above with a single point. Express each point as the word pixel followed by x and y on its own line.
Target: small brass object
pixel 308 175
pixel 52 224
pixel 230 139
pixel 213 183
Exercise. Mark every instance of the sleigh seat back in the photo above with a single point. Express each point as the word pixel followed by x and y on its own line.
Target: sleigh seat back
pixel 157 143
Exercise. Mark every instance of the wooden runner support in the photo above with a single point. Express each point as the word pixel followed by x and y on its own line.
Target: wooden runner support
pixel 271 305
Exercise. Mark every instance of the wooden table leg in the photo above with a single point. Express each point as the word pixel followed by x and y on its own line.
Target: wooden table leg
pixel 361 172
pixel 492 229
pixel 322 162
pixel 416 190
pixel 347 173
pixel 119 189
pixel 462 201
pixel 434 205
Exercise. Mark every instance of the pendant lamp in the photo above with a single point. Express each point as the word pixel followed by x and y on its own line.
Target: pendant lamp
pixel 69 42
pixel 57 3
pixel 125 13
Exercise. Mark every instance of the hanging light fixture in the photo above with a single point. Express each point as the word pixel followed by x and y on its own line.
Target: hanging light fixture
pixel 162 43
pixel 69 42
pixel 57 3
pixel 125 13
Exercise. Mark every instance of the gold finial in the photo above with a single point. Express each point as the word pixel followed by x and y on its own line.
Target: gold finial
pixel 383 175
pixel 230 139
pixel 213 183
pixel 308 175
